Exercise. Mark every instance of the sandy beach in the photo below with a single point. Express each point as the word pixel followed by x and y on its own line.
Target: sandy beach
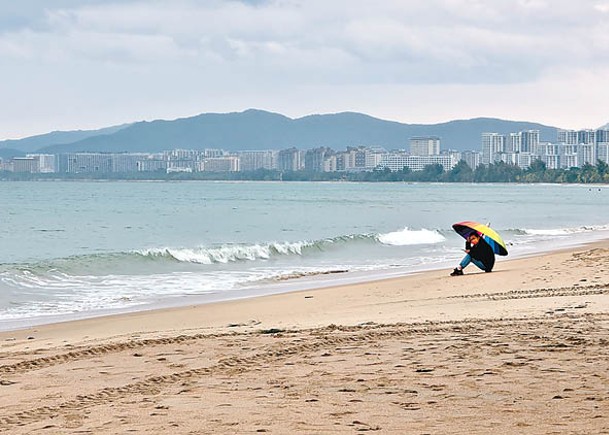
pixel 524 349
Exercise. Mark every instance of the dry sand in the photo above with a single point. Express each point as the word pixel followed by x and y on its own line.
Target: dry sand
pixel 521 350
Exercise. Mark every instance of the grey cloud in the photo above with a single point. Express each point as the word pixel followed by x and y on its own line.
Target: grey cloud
pixel 223 48
pixel 451 41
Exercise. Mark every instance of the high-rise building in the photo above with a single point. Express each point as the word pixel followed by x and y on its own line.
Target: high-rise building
pixel 289 160
pixel 514 143
pixel 586 153
pixel 529 141
pixel 568 137
pixel 549 153
pixel 493 145
pixel 425 146
pixel 576 137
pixel 314 159
pixel 602 144
pixel 568 156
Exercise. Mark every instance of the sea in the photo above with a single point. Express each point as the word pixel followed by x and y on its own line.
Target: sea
pixel 79 249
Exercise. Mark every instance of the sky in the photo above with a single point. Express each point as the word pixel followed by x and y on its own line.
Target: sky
pixel 88 64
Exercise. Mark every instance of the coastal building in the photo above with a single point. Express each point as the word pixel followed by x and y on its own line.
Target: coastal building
pixel 25 164
pixel 602 151
pixel 514 143
pixel 424 146
pixel 330 164
pixel 586 153
pixel 359 159
pixel 78 163
pixel 493 145
pixel 568 156
pixel 519 149
pixel 213 153
pixel 398 161
pixel 549 153
pixel 253 160
pixel 152 163
pixel 472 158
pixel 45 162
pixel 529 141
pixel 602 144
pixel 289 160
pixel 314 159
pixel 126 162
pixel 374 157
pixel 220 164
pixel 568 137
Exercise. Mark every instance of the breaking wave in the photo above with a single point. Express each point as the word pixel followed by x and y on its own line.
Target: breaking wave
pixel 407 237
pixel 228 253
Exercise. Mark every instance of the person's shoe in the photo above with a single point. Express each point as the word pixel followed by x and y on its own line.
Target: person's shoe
pixel 456 272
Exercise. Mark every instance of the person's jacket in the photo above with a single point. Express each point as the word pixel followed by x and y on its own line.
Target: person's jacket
pixel 482 252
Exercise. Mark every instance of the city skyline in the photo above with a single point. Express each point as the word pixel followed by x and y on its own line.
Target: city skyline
pixel 572 149
pixel 70 65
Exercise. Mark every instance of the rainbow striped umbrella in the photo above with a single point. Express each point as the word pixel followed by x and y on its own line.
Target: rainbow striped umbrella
pixel 464 229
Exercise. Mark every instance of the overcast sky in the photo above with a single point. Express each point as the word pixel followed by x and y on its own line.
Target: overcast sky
pixel 82 64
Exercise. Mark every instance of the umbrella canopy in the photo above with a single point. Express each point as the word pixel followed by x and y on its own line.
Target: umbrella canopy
pixel 490 236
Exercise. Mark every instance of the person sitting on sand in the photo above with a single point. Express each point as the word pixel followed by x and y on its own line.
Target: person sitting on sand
pixel 478 252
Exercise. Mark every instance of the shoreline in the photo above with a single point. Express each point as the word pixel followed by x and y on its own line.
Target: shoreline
pixel 322 286
pixel 525 345
pixel 322 281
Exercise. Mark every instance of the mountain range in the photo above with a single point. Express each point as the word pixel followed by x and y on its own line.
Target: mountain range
pixel 260 130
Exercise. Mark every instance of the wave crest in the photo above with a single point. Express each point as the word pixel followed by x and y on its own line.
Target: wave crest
pixel 228 253
pixel 407 237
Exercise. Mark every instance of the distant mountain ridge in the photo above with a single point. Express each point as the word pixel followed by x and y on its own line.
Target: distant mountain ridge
pixel 258 130
pixel 34 143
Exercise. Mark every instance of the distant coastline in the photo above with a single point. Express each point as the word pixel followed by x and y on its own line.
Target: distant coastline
pixel 494 173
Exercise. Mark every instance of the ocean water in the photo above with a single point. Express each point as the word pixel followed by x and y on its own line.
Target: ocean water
pixel 82 249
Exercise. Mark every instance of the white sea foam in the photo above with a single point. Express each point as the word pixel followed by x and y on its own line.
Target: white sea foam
pixel 565 231
pixel 229 253
pixel 411 237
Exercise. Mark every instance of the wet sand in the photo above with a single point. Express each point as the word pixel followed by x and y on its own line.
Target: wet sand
pixel 521 350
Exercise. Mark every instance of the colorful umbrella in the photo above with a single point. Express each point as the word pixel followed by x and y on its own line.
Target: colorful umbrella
pixel 464 229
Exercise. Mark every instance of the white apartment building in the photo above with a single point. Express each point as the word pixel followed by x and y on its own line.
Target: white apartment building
pixel 529 141
pixel 549 153
pixel 493 145
pixel 568 156
pixel 398 161
pixel 602 151
pixel 522 160
pixel 46 162
pixel 586 153
pixel 220 164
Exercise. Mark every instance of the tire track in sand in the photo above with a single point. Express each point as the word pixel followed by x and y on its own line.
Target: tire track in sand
pixel 317 339
pixel 596 289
